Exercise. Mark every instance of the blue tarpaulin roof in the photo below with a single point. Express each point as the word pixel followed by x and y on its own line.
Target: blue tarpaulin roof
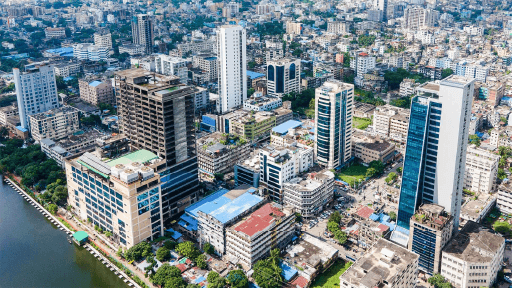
pixel 188 222
pixel 288 272
pixel 208 203
pixel 199 279
pixel 254 75
pixel 175 234
pixel 283 128
pixel 236 207
pixel 95 83
pixel 374 217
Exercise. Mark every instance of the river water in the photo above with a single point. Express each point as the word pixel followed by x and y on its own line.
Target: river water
pixel 35 253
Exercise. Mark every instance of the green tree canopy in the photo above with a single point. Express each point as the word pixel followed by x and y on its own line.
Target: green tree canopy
pixel 164 273
pixel 187 249
pixel 208 248
pixel 163 254
pixel 201 262
pixel 267 275
pixel 138 251
pixel 237 279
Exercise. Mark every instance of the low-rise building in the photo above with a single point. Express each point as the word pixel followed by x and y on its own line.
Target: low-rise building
pixel 67 68
pixel 368 149
pixel 96 92
pixel 121 195
pixel 385 265
pixel 476 209
pixel 363 110
pixel 54 124
pixel 504 201
pixel 252 238
pixel 59 32
pixel 253 126
pixel 473 257
pixel 258 102
pixel 309 195
pixel 248 171
pixel 6 112
pixel 132 49
pixel 217 153
pixel 481 170
pixel 391 122
pixel 431 228
pixel 408 87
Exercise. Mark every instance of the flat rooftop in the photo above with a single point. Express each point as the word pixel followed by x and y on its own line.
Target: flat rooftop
pixel 141 156
pixel 260 219
pixel 382 263
pixel 283 128
pixel 473 244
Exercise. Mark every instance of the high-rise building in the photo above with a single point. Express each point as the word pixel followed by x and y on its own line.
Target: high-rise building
pixel 435 155
pixel 142 32
pixel 382 5
pixel 232 67
pixel 36 91
pixel 283 76
pixel 169 65
pixel 338 27
pixel 103 40
pixel 481 170
pixel 333 123
pixel 157 114
pixel 54 124
pixel 96 92
pixel 293 27
pixel 416 18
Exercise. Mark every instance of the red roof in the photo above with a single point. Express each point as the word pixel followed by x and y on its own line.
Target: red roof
pixel 383 228
pixel 363 54
pixel 364 212
pixel 182 267
pixel 300 281
pixel 259 220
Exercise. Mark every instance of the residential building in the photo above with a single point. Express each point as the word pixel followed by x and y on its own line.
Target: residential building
pixel 169 65
pixel 218 153
pixel 54 124
pixel 473 257
pixel 59 32
pixel 209 63
pixel 417 18
pixel 36 91
pixel 431 229
pixel 363 110
pixel 382 5
pixel 407 87
pixel 142 32
pixel 253 126
pixel 490 92
pixel 385 265
pixel 309 195
pixel 334 101
pixel 157 114
pixel 338 27
pixel 283 76
pixel 440 116
pixel 248 171
pixel 368 149
pixel 103 40
pixel 504 202
pixel 258 102
pixel 96 92
pixel 481 170
pixel 391 122
pixel 132 49
pixel 232 67
pixel 117 195
pixel 197 46
pixel 215 213
pixel 293 28
pixel 279 164
pixel 68 68
pixel 363 64
pixel 477 208
pixel 251 239
pixel 474 30
pixel 202 98
pixel 8 112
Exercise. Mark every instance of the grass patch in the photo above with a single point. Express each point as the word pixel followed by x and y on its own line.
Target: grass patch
pixel 331 277
pixel 353 173
pixel 66 224
pixel 361 123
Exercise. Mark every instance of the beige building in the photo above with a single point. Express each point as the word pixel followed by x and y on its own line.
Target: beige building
pixel 473 257
pixel 6 112
pixel 54 124
pixel 293 28
pixel 391 122
pixel 252 238
pixel 385 265
pixel 95 92
pixel 504 201
pixel 481 170
pixel 119 195
pixel 369 149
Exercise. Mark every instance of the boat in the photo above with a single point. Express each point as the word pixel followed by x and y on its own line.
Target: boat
pixel 70 241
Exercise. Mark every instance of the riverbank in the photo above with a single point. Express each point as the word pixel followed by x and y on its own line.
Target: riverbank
pixel 93 247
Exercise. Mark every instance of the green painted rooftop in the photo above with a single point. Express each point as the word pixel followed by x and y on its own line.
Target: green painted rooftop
pixel 80 236
pixel 141 156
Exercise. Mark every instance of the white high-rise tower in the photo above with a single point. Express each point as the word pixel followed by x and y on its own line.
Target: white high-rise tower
pixel 232 67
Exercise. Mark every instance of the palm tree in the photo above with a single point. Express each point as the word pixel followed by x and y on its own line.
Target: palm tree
pixel 274 257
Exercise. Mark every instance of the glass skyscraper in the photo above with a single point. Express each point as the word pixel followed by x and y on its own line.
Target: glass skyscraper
pixel 435 153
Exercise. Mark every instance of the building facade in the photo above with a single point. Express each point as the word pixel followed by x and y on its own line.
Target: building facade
pixel 440 117
pixel 95 92
pixel 36 91
pixel 54 124
pixel 481 170
pixel 334 102
pixel 168 65
pixel 142 32
pixel 232 67
pixel 283 76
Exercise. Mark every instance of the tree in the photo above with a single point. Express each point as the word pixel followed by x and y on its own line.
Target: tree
pixel 438 281
pixel 208 248
pixel 164 273
pixel 501 227
pixel 275 257
pixel 378 166
pixel 446 72
pixel 61 84
pixel 335 217
pixel 371 172
pixel 341 236
pixel 399 170
pixel 163 254
pixel 267 275
pixel 52 208
pixel 237 279
pixel 201 262
pixel 175 282
pixel 391 177
pixel 187 249
pixel 217 283
pixel 136 252
pixel 501 174
pixel 392 215
pixel 170 245
pixel 152 264
pixel 212 276
pixel 119 252
pixel 333 226
pixel 108 234
pixel 474 139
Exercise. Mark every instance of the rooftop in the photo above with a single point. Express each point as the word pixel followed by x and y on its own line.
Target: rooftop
pixel 260 219
pixel 380 265
pixel 140 156
pixel 283 128
pixel 473 244
pixel 54 112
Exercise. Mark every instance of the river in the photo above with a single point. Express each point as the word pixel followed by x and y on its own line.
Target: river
pixel 35 253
